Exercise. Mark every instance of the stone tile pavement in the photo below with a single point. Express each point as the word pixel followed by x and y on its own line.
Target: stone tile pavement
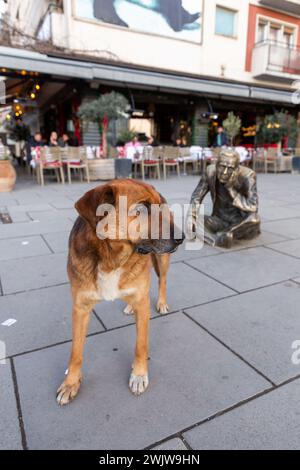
pixel 221 369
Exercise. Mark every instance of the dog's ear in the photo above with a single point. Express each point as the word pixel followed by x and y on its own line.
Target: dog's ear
pixel 87 205
pixel 163 199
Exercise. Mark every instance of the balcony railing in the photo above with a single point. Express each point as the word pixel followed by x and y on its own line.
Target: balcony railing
pixel 277 60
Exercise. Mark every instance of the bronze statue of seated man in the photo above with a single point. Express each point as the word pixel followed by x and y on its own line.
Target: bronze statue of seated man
pixel 235 202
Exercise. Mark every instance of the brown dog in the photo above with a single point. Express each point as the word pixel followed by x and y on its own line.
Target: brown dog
pixel 117 267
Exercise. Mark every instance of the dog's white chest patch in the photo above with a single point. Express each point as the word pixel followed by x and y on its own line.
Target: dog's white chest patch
pixel 108 284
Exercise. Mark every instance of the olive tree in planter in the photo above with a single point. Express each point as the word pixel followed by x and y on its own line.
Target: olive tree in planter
pixel 232 126
pixel 102 110
pixel 277 127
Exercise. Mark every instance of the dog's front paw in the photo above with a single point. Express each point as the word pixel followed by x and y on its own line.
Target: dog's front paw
pixel 162 307
pixel 66 392
pixel 138 384
pixel 128 310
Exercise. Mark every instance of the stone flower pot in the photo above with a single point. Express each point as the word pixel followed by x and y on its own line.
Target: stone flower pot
pixel 8 176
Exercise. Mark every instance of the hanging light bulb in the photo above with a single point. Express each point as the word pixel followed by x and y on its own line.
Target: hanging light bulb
pixel 37 87
pixel 32 96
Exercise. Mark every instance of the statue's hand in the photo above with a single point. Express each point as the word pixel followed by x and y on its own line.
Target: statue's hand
pixel 232 191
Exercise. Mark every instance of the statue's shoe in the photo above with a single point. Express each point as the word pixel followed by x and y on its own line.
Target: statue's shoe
pixel 224 240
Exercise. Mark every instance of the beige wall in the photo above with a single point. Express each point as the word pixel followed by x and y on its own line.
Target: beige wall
pixel 217 56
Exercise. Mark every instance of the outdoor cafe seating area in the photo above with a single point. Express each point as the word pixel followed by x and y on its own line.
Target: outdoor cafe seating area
pixel 143 161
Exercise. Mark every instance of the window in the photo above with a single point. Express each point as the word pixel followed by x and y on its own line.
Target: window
pixel 288 37
pixel 225 22
pixel 275 33
pixel 262 31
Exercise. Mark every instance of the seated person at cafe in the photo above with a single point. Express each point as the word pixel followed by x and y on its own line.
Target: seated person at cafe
pixel 235 202
pixel 53 139
pixel 152 141
pixel 63 141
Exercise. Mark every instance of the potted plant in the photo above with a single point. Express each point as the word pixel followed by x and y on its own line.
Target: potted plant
pixel 8 174
pixel 102 110
pixel 232 126
pixel 278 128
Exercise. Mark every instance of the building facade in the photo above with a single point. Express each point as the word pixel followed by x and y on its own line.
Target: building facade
pixel 178 61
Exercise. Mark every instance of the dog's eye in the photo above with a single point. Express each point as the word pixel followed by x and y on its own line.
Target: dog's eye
pixel 141 208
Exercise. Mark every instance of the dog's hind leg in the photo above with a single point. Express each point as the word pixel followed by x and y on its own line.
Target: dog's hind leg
pixel 70 387
pixel 161 265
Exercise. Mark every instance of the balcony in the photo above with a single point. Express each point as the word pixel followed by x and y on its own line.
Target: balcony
pixel 276 61
pixel 288 6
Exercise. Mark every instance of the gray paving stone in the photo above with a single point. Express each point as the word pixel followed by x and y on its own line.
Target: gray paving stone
pixel 181 392
pixel 7 200
pixel 37 206
pixel 280 212
pixel 261 326
pixel 184 254
pixel 187 287
pixel 22 248
pixel 249 269
pixel 43 318
pixel 172 444
pixel 18 216
pixel 63 203
pixel 271 422
pixel 9 423
pixel 289 228
pixel 25 229
pixel 54 213
pixel 34 273
pixel 58 241
pixel 111 314
pixel 196 289
pixel 265 238
pixel 291 248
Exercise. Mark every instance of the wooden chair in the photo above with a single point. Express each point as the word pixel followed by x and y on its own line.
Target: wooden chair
pixel 75 158
pixel 171 156
pixel 272 160
pixel 151 161
pixel 50 159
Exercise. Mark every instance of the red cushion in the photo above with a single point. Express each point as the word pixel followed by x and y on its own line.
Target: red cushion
pixel 151 162
pixel 170 161
pixel 72 162
pixel 55 164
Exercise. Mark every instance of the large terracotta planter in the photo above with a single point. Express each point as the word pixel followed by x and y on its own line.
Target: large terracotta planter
pixel 8 176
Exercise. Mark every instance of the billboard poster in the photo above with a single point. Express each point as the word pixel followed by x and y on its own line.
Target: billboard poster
pixel 178 19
